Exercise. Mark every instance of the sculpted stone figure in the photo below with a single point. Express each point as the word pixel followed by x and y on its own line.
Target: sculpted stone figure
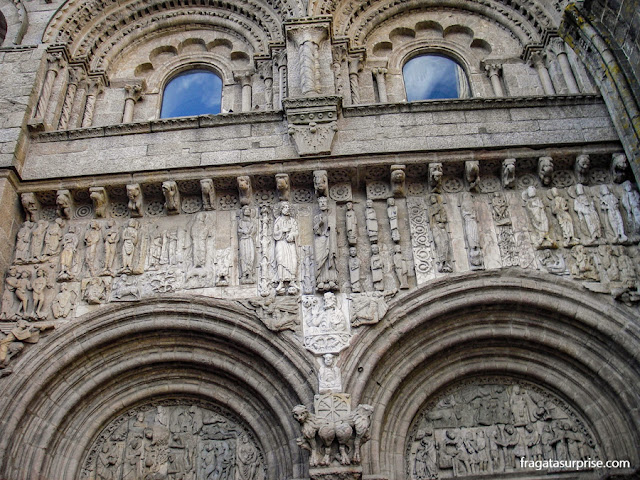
pixel 354 270
pixel 64 203
pixel 92 239
pixel 208 194
pixel 100 201
pixel 581 169
pixel 560 209
pixel 584 267
pixel 583 206
pixel 31 206
pixel 352 224
pixel 199 236
pixel 322 433
pixel 134 194
pixel 392 213
pixel 538 216
pixel 470 223
pixel 95 290
pixel 285 234
pixel 439 220
pixel 69 247
pixel 400 267
pixel 245 190
pixel 23 242
pixel 321 183
pixel 130 240
pixel 329 377
pixel 23 285
pixel 14 341
pixel 63 302
pixel 610 204
pixel 247 459
pixel 52 239
pixel 398 183
pixel 247 228
pixel 472 175
pixel 371 222
pixel 545 170
pixel 325 249
pixel 377 268
pixel 508 173
pixel 631 203
pixel 435 177
pixel 111 237
pixel 38 287
pixel 8 296
pixel 171 197
pixel 284 187
pixel 37 240
pixel 619 167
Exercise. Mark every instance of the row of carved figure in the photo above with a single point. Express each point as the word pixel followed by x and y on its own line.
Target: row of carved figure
pixel 177 443
pixel 270 245
pixel 461 452
pixel 65 203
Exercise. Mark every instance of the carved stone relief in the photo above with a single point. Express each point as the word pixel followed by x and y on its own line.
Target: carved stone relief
pixel 333 435
pixel 175 440
pixel 325 323
pixel 438 221
pixel 486 426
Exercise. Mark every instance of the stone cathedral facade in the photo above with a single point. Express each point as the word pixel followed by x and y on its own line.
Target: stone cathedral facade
pixel 328 279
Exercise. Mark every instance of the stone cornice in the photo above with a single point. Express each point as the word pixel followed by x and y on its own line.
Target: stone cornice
pixel 470 104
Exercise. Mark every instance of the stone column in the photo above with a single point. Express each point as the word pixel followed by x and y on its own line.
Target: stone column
pixel 134 92
pixel 380 73
pixel 246 93
pixel 281 60
pixel 354 80
pixel 53 66
pixel 309 49
pixel 494 71
pixel 557 47
pixel 538 62
pixel 95 87
pixel 75 74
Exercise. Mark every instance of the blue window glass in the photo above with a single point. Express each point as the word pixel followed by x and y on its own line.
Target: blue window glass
pixel 196 92
pixel 430 77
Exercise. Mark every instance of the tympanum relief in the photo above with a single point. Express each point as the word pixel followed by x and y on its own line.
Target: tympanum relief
pixel 491 427
pixel 175 440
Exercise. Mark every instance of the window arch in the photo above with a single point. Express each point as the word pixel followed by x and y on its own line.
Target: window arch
pixel 192 92
pixel 434 76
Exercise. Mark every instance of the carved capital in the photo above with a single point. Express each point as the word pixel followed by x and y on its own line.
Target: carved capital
pixel 54 61
pixel 557 46
pixel 133 91
pixel 538 60
pixel 492 69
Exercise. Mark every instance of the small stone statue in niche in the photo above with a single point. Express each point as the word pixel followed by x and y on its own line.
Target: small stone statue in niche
pixel 285 234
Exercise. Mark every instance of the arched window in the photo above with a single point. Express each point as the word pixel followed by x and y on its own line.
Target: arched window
pixel 3 28
pixel 194 92
pixel 430 77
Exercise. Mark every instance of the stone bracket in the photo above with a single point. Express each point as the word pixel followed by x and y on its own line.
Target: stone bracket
pixel 312 123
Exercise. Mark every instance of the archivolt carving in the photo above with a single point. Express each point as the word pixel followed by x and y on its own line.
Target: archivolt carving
pixel 356 21
pixel 75 24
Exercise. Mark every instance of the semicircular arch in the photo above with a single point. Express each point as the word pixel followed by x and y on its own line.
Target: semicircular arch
pixel 527 327
pixel 74 384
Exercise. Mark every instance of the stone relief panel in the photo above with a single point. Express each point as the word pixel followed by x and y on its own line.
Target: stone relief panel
pixel 298 236
pixel 175 440
pixel 490 426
